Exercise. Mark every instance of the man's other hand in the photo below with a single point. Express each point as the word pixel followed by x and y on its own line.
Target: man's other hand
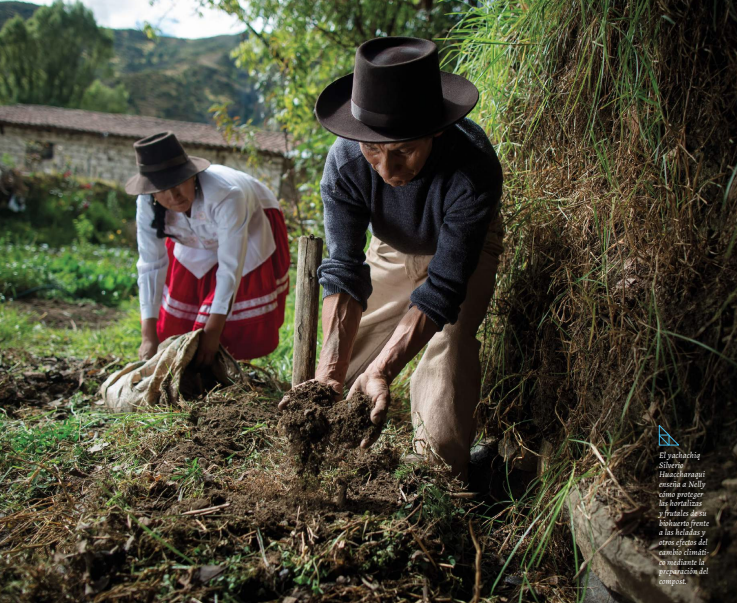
pixel 375 385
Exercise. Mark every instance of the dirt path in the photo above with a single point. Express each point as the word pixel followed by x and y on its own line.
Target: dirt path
pixel 59 314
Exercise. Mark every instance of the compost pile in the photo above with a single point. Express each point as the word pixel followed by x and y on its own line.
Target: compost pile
pixel 208 501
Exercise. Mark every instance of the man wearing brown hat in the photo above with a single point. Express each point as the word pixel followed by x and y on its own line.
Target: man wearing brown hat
pixel 427 183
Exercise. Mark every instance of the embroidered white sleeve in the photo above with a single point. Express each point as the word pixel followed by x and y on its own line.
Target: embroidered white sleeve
pixel 232 215
pixel 152 260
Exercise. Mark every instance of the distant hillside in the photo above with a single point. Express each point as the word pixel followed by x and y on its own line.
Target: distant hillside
pixel 9 9
pixel 172 77
pixel 181 79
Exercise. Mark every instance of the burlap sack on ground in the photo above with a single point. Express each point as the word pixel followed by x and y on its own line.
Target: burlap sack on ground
pixel 167 379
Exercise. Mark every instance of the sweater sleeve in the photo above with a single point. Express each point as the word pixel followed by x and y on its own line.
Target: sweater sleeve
pixel 346 221
pixel 459 248
pixel 153 260
pixel 232 216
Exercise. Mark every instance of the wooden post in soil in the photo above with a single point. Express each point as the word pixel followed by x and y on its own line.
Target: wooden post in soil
pixel 306 305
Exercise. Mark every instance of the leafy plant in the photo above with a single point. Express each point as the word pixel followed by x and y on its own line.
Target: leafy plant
pixel 55 201
pixel 106 275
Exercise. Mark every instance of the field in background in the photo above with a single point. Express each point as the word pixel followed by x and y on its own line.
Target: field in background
pixel 97 274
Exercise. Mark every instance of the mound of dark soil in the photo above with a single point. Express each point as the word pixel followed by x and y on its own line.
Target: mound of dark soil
pixel 208 504
pixel 229 430
pixel 314 425
pixel 27 380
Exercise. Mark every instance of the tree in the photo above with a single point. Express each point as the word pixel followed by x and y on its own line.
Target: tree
pixel 99 97
pixel 302 45
pixel 52 58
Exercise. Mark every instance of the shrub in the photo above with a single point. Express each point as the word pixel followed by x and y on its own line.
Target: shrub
pixel 55 203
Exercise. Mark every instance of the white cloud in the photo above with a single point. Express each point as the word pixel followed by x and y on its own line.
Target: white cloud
pixel 178 18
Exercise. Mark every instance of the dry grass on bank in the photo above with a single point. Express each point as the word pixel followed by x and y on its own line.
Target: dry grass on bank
pixel 617 126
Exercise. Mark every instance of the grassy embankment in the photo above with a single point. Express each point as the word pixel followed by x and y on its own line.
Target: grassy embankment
pixel 615 306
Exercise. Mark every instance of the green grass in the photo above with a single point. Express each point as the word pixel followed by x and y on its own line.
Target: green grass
pixel 121 339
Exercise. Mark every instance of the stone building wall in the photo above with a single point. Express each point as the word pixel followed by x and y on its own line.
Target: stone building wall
pixel 112 158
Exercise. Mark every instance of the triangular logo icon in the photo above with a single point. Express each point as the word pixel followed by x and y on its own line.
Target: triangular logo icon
pixel 664 438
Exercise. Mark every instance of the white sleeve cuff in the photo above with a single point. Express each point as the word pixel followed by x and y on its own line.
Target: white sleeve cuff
pixel 149 311
pixel 219 308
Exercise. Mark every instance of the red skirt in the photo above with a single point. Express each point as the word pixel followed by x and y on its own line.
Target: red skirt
pixel 252 328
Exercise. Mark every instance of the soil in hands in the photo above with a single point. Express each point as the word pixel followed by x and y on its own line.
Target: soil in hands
pixel 317 428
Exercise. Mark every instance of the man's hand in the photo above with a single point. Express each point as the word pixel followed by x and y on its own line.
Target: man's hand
pixel 149 339
pixel 409 337
pixel 341 315
pixel 375 385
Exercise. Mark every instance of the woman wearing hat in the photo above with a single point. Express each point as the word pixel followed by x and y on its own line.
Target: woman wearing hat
pixel 213 253
pixel 426 181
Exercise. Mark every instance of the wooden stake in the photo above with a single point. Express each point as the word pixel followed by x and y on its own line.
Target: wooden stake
pixel 306 305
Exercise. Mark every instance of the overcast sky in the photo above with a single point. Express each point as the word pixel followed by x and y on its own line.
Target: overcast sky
pixel 178 18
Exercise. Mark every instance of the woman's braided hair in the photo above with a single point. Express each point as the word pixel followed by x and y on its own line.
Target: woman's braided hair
pixel 159 221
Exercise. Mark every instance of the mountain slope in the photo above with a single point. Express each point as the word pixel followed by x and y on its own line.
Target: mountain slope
pixel 171 77
pixel 9 9
pixel 181 79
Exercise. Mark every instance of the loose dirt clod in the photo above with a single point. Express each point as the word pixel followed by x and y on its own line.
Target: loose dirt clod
pixel 313 424
pixel 305 424
pixel 351 420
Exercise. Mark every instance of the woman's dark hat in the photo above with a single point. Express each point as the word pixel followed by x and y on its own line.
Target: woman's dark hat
pixel 396 93
pixel 162 164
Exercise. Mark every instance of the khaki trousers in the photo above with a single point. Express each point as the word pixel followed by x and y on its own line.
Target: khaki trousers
pixel 446 385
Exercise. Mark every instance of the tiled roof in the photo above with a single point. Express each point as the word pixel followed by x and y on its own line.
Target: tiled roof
pixel 129 126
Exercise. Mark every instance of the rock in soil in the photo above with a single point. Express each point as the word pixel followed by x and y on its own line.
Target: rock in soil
pixel 314 424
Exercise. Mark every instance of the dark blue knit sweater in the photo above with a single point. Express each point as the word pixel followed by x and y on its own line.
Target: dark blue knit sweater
pixel 445 210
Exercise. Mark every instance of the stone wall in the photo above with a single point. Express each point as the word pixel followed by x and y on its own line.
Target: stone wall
pixel 111 158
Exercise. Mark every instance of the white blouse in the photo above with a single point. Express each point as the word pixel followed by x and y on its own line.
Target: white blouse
pixel 227 227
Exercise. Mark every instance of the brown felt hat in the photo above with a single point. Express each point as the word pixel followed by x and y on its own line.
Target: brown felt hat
pixel 162 164
pixel 396 93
